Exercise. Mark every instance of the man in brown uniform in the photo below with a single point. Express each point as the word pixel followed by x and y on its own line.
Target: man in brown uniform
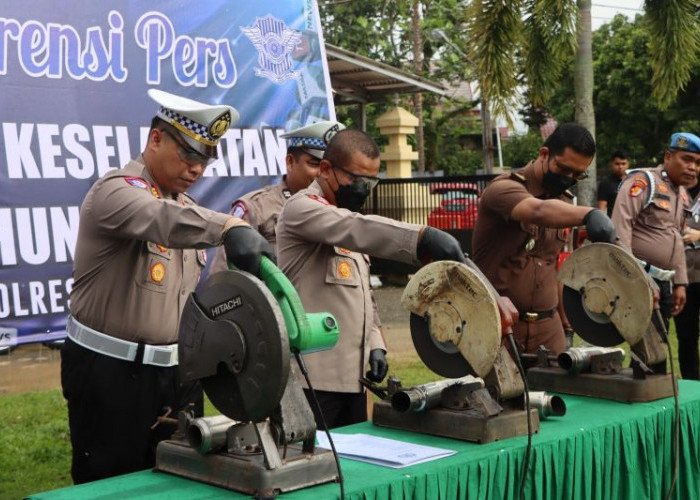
pixel 321 247
pixel 138 256
pixel 519 233
pixel 261 208
pixel 649 214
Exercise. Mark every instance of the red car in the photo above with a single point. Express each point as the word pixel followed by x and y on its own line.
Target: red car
pixel 458 207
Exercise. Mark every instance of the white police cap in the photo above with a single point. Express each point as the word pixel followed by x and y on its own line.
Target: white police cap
pixel 314 138
pixel 201 125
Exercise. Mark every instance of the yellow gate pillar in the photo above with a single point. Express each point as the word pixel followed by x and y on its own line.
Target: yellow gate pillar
pixel 397 124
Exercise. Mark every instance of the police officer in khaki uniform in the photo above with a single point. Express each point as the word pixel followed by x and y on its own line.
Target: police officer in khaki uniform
pixel 687 321
pixel 519 233
pixel 261 208
pixel 649 214
pixel 322 242
pixel 139 254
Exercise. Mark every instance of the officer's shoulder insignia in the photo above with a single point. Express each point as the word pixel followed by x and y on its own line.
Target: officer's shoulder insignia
pixel 568 194
pixel 638 187
pixel 137 182
pixel 239 209
pixel 665 204
pixel 286 193
pixel 517 176
pixel 155 192
pixel 318 198
pixel 663 188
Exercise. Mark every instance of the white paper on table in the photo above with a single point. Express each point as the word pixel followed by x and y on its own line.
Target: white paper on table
pixel 381 451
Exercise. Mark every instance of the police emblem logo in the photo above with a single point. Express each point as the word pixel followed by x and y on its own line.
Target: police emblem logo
pixel 137 182
pixel 274 41
pixel 157 272
pixel 637 188
pixel 220 125
pixel 344 270
pixel 239 209
pixel 682 143
pixel 330 133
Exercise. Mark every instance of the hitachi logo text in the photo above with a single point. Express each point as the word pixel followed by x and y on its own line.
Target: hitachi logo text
pixel 224 307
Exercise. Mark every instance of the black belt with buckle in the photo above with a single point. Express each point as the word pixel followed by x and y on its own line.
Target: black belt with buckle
pixel 532 316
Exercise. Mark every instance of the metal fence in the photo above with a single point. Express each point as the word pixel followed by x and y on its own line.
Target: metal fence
pixel 448 203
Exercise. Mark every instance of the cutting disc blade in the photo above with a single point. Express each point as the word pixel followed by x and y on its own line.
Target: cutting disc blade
pixel 607 295
pixel 242 307
pixel 594 328
pixel 454 314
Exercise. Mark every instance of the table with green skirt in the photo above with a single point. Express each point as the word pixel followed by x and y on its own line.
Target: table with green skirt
pixel 599 449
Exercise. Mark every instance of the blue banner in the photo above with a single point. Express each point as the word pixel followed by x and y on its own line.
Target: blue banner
pixel 73 105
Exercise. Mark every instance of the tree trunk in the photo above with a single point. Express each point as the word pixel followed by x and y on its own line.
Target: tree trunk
pixel 583 90
pixel 417 69
pixel 486 134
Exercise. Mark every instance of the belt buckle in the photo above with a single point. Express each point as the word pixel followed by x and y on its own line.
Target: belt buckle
pixel 531 317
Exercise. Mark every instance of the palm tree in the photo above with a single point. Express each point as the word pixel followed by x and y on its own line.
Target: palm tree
pixel 514 42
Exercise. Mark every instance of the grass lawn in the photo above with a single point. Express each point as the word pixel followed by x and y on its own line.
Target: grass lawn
pixel 35 445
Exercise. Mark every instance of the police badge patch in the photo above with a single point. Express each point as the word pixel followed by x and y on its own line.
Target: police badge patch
pixel 274 41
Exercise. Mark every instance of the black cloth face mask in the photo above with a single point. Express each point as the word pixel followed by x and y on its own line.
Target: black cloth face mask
pixel 352 196
pixel 555 184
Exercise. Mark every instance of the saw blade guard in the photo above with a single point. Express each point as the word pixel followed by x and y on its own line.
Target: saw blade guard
pixel 455 322
pixel 607 296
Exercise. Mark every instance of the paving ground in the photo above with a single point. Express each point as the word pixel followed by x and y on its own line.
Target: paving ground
pixel 35 367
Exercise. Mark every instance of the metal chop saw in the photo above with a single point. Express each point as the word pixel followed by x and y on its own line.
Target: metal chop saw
pixel 608 298
pixel 456 329
pixel 235 337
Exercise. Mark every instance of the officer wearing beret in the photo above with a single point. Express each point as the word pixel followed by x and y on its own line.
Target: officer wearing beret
pixel 649 215
pixel 261 208
pixel 519 233
pixel 322 247
pixel 139 254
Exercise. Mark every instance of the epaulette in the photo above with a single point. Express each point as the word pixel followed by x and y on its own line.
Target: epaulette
pixel 517 176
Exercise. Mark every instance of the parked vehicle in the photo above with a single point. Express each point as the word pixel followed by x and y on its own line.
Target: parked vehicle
pixel 458 206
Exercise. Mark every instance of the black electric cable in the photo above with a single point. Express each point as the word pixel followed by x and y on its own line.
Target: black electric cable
pixel 302 367
pixel 528 450
pixel 661 327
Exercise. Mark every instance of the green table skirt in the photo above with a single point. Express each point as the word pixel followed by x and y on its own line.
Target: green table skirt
pixel 600 449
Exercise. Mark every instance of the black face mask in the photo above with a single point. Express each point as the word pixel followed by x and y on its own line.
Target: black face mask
pixel 352 196
pixel 555 184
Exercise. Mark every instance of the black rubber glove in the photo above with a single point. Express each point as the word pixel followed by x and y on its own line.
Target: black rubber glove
pixel 439 245
pixel 378 367
pixel 599 227
pixel 244 246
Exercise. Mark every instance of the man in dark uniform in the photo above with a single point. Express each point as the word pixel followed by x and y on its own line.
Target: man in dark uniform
pixel 139 254
pixel 650 212
pixel 261 208
pixel 607 188
pixel 519 233
pixel 322 242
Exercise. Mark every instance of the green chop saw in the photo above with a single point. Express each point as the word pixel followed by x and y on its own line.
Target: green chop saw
pixel 608 298
pixel 235 337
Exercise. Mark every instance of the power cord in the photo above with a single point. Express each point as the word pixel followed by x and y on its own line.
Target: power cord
pixel 528 449
pixel 661 327
pixel 302 367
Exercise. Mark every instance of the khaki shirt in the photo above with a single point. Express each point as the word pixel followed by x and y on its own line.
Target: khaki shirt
pixel 692 251
pixel 653 233
pixel 520 259
pixel 321 248
pixel 260 209
pixel 138 256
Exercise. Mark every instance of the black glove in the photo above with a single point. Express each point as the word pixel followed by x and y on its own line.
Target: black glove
pixel 599 227
pixel 244 246
pixel 377 365
pixel 439 245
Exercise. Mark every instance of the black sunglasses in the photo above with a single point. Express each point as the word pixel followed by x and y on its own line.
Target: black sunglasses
pixel 187 154
pixel 366 180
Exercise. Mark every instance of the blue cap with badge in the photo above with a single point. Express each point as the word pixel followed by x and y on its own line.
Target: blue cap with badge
pixel 685 141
